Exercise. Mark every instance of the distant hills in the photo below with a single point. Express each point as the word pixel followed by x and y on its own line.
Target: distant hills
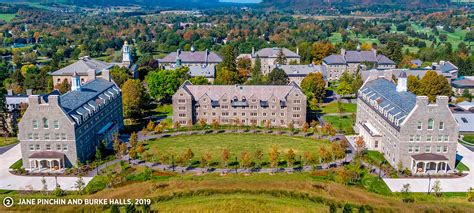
pixel 308 4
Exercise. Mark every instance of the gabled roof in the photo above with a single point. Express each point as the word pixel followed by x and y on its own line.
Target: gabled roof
pixel 465 121
pixel 192 57
pixel 207 71
pixel 300 70
pixel 463 83
pixel 273 53
pixel 82 66
pixel 429 156
pixel 384 93
pixel 382 59
pixel 334 59
pixel 358 57
pixel 448 67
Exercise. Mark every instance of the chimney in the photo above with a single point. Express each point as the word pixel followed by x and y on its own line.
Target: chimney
pixel 422 100
pixel 106 74
pixel 402 82
pixel 10 92
pixel 207 56
pixel 442 100
pixel 29 92
pixel 53 100
pixel 33 100
pixel 90 75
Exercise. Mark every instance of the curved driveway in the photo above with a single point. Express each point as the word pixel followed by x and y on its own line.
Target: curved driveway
pixel 13 182
pixel 447 184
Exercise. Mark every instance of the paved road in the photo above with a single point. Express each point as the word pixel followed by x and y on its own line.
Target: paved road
pixel 12 182
pixel 447 185
pixel 3 149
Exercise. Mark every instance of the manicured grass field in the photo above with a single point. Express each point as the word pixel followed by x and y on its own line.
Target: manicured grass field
pixel 165 109
pixel 461 167
pixel 375 157
pixel 340 123
pixel 7 16
pixel 235 143
pixel 333 108
pixel 7 141
pixel 469 139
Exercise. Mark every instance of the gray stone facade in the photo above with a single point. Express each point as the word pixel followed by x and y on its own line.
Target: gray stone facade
pixel 407 129
pixel 240 104
pixel 58 131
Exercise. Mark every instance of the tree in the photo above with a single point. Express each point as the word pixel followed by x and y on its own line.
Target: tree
pixel 215 124
pixel 360 144
pixel 256 77
pixel 347 208
pixel 119 75
pixel 278 77
pixel 357 83
pixel 225 155
pixel 258 157
pixel 199 80
pixel 188 155
pixel 273 156
pixel 467 95
pixel 305 127
pixel 433 85
pixel 79 185
pixel 206 159
pixel 150 126
pixel 116 144
pixel 162 84
pixel 63 87
pixel 158 129
pixel 133 139
pixel 245 160
pixel 344 88
pixel 413 84
pixel 224 76
pixel 281 57
pixel 437 188
pixel 314 86
pixel 393 50
pixel 366 46
pixel 290 157
pixel 322 50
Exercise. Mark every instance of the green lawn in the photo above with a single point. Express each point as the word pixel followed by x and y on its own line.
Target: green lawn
pixel 165 109
pixel 375 157
pixel 461 167
pixel 333 108
pixel 469 138
pixel 17 165
pixel 235 143
pixel 7 141
pixel 340 123
pixel 7 16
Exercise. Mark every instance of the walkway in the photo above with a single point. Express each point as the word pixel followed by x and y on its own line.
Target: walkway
pixel 447 184
pixel 9 181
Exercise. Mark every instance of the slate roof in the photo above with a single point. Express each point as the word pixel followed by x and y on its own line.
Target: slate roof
pixel 192 57
pixel 47 155
pixel 80 104
pixel 382 93
pixel 300 70
pixel 465 121
pixel 358 57
pixel 417 62
pixel 208 71
pixel 365 74
pixel 82 66
pixel 463 83
pixel 273 53
pixel 448 67
pixel 429 156
pixel 241 92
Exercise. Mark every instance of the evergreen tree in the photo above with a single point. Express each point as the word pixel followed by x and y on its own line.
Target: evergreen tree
pixel 256 77
pixel 281 57
pixel 278 77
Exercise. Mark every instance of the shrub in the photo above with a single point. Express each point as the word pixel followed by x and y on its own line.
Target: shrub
pixel 96 184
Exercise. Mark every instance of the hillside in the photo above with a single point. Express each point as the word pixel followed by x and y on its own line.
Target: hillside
pixel 316 4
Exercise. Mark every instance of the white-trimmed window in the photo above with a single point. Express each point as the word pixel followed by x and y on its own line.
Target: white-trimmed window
pixel 65 147
pixel 427 149
pixel 181 101
pixel 445 149
pixel 45 123
pixel 32 147
pixel 412 138
pixel 419 125
pixel 37 147
pixel 410 148
pixel 57 137
pixel 441 125
pixel 418 138
pixel 36 136
pixel 30 136
pixel 438 149
pixel 56 124
pixel 182 115
pixel 47 136
pixel 430 124
pixel 48 147
pixel 63 136
pixel 417 148
pixel 429 138
pixel 35 124
pixel 440 138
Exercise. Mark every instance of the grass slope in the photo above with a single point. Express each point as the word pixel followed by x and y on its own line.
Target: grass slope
pixel 7 16
pixel 7 141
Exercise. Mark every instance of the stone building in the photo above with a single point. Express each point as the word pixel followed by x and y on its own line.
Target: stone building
pixel 352 61
pixel 190 58
pixel 58 131
pixel 86 67
pixel 15 103
pixel 240 104
pixel 268 56
pixel 407 129
pixel 296 73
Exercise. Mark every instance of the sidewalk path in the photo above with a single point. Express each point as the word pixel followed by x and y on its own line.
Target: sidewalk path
pixel 447 185
pixel 9 181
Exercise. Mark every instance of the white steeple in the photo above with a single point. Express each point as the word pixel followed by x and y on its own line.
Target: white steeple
pixel 402 82
pixel 126 56
pixel 76 82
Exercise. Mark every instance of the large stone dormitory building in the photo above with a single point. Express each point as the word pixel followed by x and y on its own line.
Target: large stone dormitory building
pixel 268 57
pixel 407 128
pixel 57 131
pixel 240 104
pixel 200 63
pixel 296 73
pixel 352 61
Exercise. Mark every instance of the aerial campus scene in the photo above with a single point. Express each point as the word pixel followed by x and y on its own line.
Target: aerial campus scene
pixel 236 106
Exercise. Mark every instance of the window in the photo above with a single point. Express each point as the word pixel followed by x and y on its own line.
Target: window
pixel 182 115
pixel 417 148
pixel 243 113
pixel 296 115
pixel 56 136
pixel 30 136
pixel 181 101
pixel 64 147
pixel 441 125
pixel 419 125
pixel 427 149
pixel 37 147
pixel 418 138
pixel 296 101
pixel 430 124
pixel 410 149
pixel 48 146
pixel 225 106
pixel 296 108
pixel 32 147
pixel 46 136
pixel 45 123
pixel 56 124
pixel 445 149
pixel 36 136
pixel 438 149
pixel 225 114
pixel 446 138
pixel 440 138
pixel 412 138
pixel 35 124
pixel 429 138
pixel 58 147
pixel 63 136
pixel 181 108
pixel 282 114
pixel 253 114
